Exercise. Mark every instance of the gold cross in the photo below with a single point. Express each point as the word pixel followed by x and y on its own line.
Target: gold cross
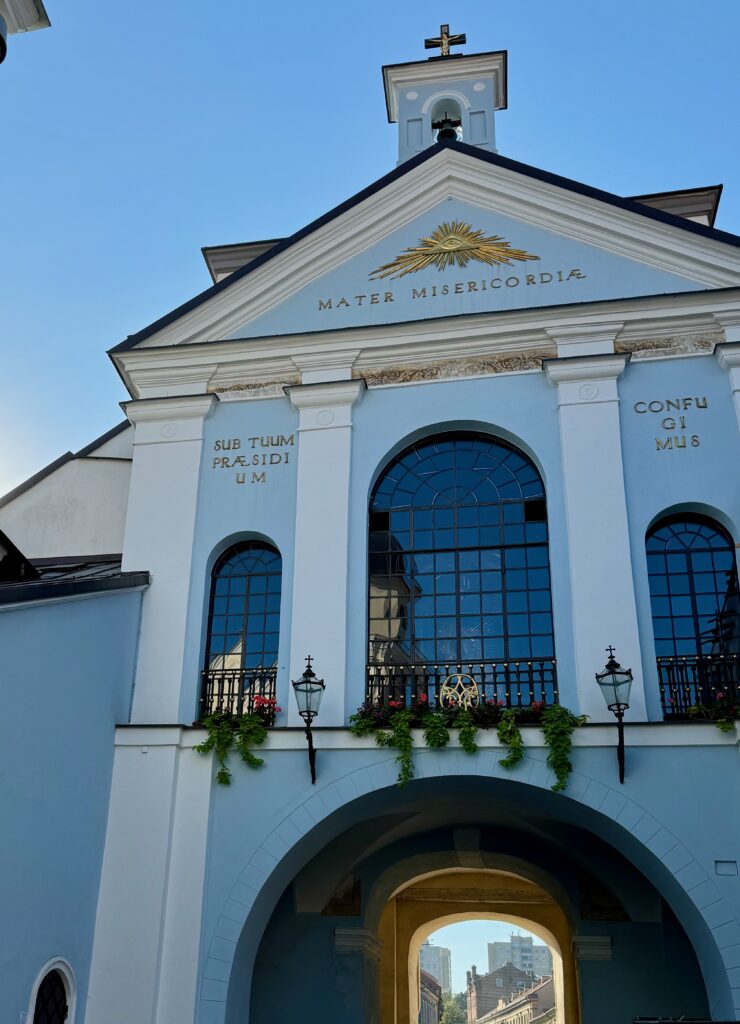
pixel 444 41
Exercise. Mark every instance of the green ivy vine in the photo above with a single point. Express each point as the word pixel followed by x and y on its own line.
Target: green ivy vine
pixel 510 735
pixel 392 727
pixel 227 732
pixel 558 724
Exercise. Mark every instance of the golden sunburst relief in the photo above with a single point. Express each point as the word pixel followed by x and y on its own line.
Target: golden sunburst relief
pixel 451 244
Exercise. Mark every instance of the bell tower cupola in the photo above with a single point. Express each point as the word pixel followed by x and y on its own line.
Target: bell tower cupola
pixel 449 96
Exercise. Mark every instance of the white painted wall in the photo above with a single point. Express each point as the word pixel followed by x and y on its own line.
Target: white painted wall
pixel 79 509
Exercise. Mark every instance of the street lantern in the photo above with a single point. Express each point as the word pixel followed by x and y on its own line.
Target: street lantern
pixel 615 683
pixel 308 693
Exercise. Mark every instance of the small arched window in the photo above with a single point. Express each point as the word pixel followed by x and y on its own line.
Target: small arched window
pixel 51 1006
pixel 696 611
pixel 459 576
pixel 243 628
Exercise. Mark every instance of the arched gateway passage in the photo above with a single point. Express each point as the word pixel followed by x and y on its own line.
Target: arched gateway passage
pixel 335 900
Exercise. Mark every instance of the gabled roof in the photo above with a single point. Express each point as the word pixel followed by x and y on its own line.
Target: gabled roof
pixel 83 453
pixel 630 205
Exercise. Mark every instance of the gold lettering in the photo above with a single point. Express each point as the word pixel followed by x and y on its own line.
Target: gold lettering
pixel 375 298
pixel 472 286
pixel 360 298
pixel 342 302
pixel 259 478
pixel 512 282
pixel 668 423
pixel 459 288
pixel 420 293
pixel 644 407
pixel 241 478
pixel 530 279
pixel 445 289
pixel 671 404
pixel 275 459
pixel 695 441
pixel 679 442
pixel 496 282
pixel 387 296
pixel 701 403
pixel 545 278
pixel 576 273
pixel 324 304
pixel 662 445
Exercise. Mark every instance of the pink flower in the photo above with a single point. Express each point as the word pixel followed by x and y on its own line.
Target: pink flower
pixel 671 700
pixel 395 703
pixel 491 702
pixel 720 695
pixel 422 698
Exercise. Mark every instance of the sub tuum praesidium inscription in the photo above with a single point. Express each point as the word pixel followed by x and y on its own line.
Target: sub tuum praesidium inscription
pixel 252 458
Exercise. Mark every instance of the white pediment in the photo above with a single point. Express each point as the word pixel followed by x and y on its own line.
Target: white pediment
pixel 563 247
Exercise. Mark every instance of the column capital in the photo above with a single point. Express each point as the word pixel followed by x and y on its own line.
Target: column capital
pixel 178 418
pixel 585 340
pixel 728 354
pixel 572 369
pixel 729 321
pixel 326 404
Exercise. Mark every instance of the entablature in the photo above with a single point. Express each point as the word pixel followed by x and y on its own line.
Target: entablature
pixel 428 350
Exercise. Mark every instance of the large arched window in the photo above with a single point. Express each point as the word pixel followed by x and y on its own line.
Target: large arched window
pixel 695 607
pixel 243 629
pixel 459 577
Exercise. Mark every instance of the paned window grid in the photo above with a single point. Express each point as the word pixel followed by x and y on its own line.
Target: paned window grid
pixel 454 576
pixel 244 617
pixel 693 588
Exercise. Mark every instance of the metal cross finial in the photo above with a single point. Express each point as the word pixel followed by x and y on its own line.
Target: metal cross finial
pixel 444 41
pixel 610 651
pixel 309 660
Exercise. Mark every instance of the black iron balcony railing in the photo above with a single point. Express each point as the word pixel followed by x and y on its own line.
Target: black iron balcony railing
pixel 238 691
pixel 513 684
pixel 704 680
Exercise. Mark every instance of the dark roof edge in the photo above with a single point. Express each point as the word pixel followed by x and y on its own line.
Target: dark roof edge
pixel 107 436
pixel 5 499
pixel 16 593
pixel 36 478
pixel 237 245
pixel 516 166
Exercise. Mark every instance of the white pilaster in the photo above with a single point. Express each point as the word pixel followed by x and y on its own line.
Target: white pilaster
pixel 319 618
pixel 160 525
pixel 728 356
pixel 147 931
pixel 602 588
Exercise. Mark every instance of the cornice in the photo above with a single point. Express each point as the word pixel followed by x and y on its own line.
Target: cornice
pixel 457 69
pixel 453 174
pixel 357 940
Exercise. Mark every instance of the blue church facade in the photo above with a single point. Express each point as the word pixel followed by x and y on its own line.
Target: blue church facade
pixel 478 421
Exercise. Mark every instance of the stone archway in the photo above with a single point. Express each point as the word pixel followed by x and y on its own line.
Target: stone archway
pixel 443 897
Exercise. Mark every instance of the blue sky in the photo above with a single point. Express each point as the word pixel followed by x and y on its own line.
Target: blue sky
pixel 468 945
pixel 132 136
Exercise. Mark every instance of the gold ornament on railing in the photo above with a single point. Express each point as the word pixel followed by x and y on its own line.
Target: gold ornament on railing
pixel 464 693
